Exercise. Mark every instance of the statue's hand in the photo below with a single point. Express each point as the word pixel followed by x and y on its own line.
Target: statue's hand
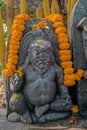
pixel 15 83
pixel 85 74
pixel 66 99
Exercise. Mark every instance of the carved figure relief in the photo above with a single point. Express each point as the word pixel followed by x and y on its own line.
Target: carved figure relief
pixel 39 94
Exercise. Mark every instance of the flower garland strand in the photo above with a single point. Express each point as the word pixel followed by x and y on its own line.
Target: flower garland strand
pixel 65 54
pixel 14 45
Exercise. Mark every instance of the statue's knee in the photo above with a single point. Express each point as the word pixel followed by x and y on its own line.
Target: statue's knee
pixel 17 103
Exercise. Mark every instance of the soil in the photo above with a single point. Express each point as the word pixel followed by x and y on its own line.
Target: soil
pixel 65 124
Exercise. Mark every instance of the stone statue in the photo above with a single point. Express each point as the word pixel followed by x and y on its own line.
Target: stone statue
pixel 78 39
pixel 41 94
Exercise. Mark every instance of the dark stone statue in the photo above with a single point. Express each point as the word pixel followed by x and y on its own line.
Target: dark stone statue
pixel 78 39
pixel 41 95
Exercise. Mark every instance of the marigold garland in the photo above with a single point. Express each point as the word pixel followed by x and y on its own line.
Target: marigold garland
pixel 65 53
pixel 14 45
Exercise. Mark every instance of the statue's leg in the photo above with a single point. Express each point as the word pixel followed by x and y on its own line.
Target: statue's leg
pixel 39 111
pixel 18 106
pixel 61 103
pixel 59 109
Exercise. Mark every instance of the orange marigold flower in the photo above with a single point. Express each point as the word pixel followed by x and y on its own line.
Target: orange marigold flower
pixel 66 64
pixel 58 24
pixel 74 108
pixel 22 17
pixel 68 71
pixel 62 39
pixel 16 37
pixel 60 30
pixel 64 46
pixel 77 77
pixel 8 72
pixel 42 24
pixel 13 61
pixel 13 56
pixel 13 51
pixel 69 83
pixel 14 42
pixel 20 22
pixel 59 17
pixel 65 57
pixel 17 27
pixel 16 32
pixel 10 66
pixel 69 77
pixel 80 72
pixel 64 52
pixel 15 47
pixel 63 35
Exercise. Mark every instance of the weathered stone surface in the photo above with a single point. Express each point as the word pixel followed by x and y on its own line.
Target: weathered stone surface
pixel 34 95
pixel 79 52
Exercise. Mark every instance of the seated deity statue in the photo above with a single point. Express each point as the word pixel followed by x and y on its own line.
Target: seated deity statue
pixel 41 95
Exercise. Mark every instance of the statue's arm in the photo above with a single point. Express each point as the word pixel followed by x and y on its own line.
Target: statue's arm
pixel 16 83
pixel 63 89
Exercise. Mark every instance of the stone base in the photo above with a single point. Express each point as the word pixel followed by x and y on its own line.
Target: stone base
pixel 52 116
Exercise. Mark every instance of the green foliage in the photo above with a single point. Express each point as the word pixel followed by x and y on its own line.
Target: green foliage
pixel 2 4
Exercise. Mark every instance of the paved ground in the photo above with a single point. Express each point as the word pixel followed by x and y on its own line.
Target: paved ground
pixel 57 125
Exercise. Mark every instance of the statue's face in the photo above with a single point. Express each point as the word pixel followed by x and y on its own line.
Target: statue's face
pixel 41 54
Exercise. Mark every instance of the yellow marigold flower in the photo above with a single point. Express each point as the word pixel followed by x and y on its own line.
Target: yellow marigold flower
pixel 20 71
pixel 20 74
pixel 62 39
pixel 65 57
pixel 64 46
pixel 16 95
pixel 58 24
pixel 20 68
pixel 10 66
pixel 17 27
pixel 64 52
pixel 60 30
pixel 74 108
pixel 8 72
pixel 68 71
pixel 19 22
pixel 69 83
pixel 66 64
